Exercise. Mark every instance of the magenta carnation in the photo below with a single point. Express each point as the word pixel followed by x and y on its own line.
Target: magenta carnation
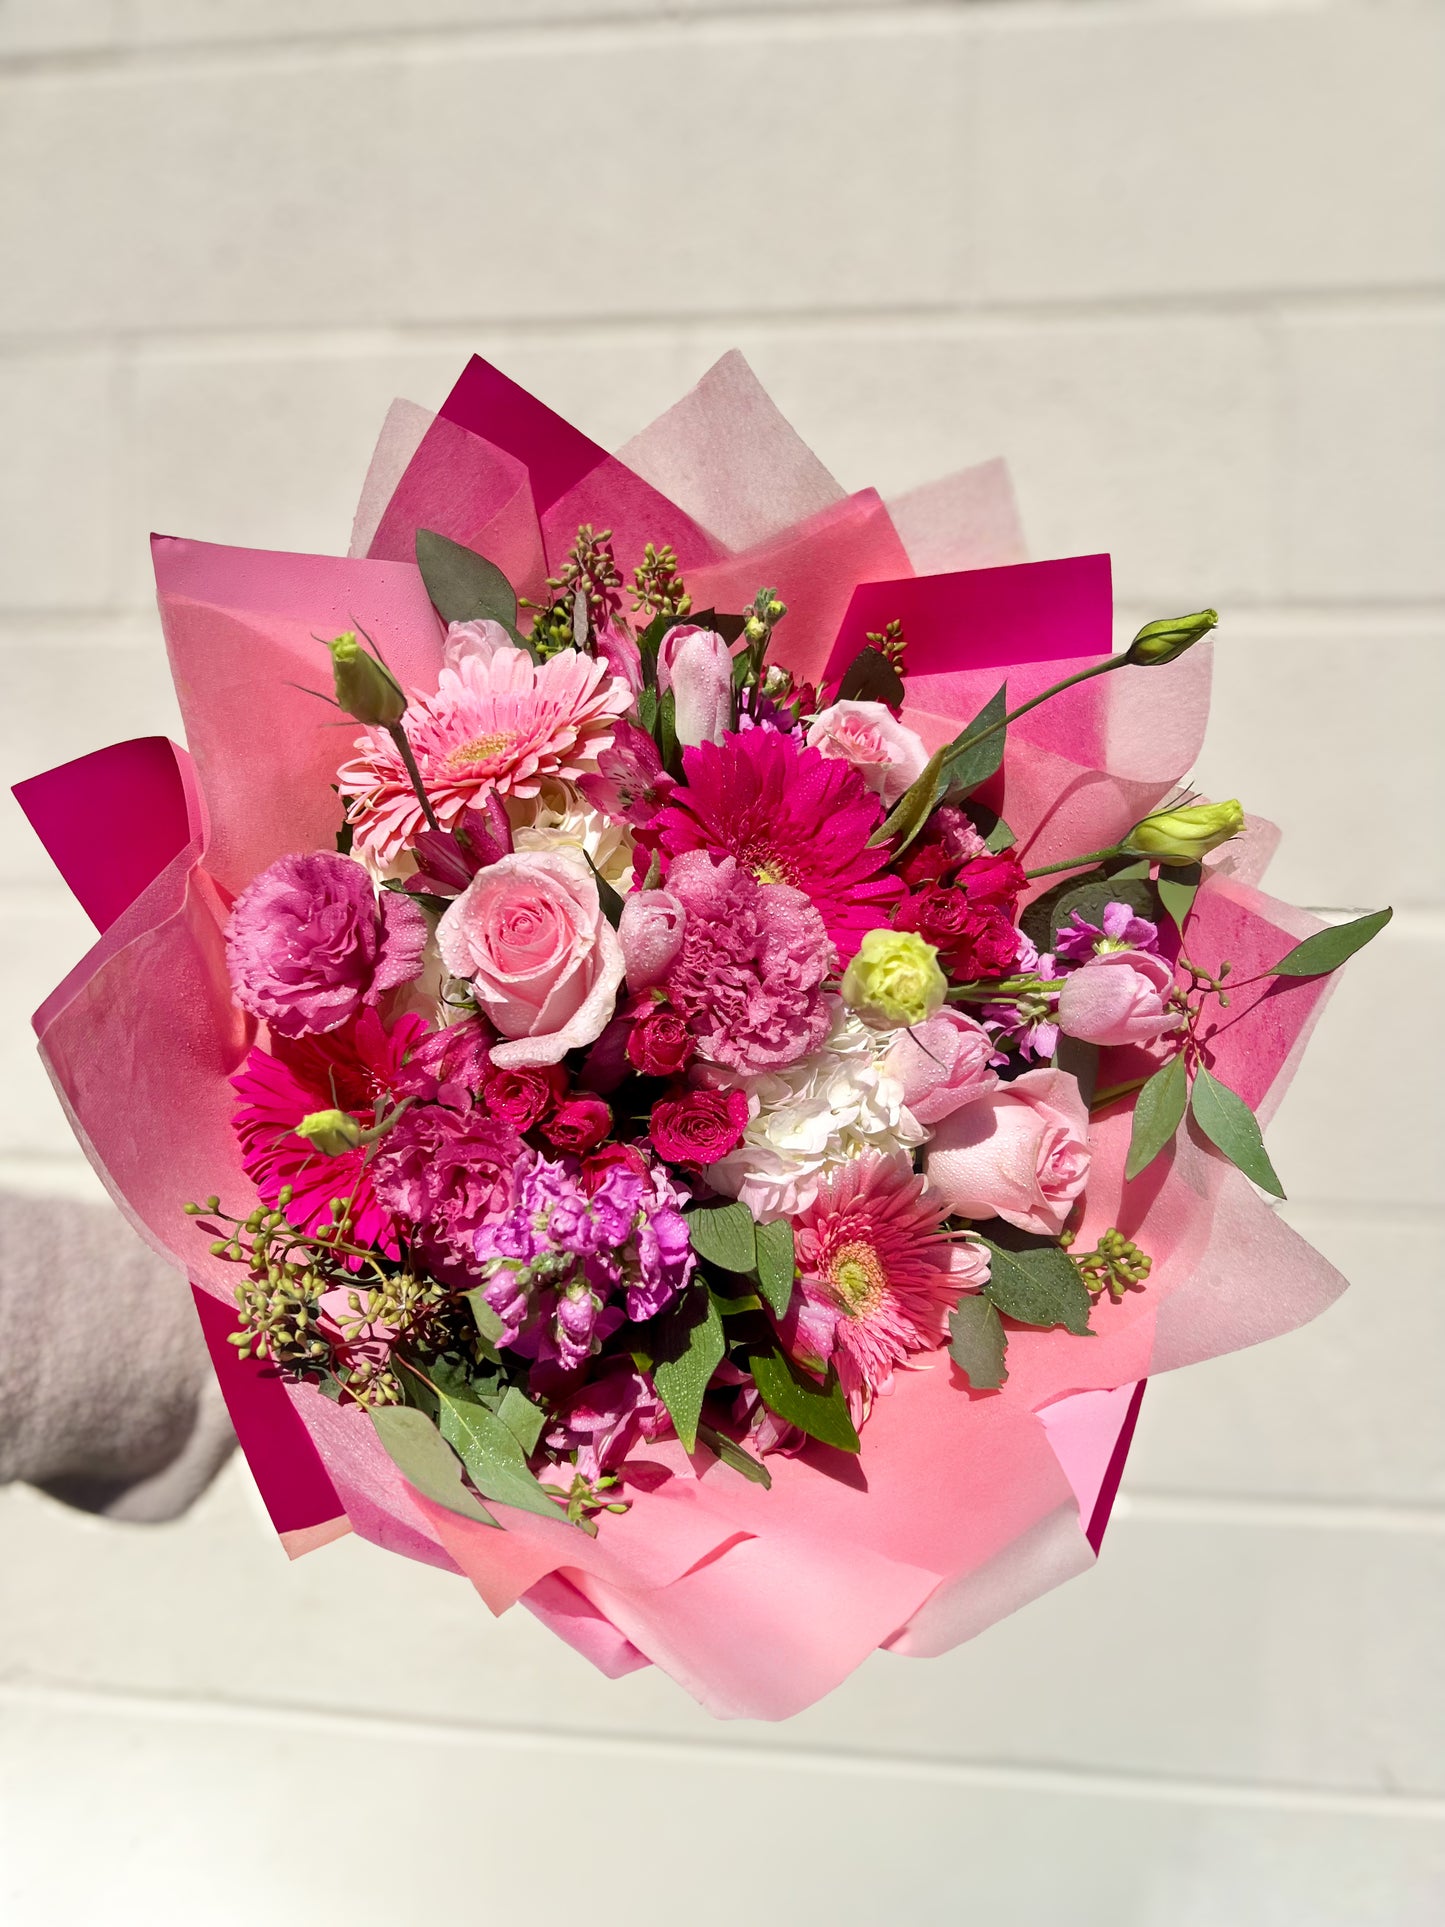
pixel 789 815
pixel 309 943
pixel 358 1068
pixel 748 977
pixel 446 1172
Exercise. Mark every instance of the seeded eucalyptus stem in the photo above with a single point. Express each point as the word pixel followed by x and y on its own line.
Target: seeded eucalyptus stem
pixel 398 736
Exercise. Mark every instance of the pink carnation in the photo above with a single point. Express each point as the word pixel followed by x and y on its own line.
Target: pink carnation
pixel 498 721
pixel 748 977
pixel 309 944
pixel 444 1172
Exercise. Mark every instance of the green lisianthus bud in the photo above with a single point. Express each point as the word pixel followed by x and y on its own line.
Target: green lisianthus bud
pixel 894 979
pixel 1162 641
pixel 776 610
pixel 365 688
pixel 330 1132
pixel 1186 835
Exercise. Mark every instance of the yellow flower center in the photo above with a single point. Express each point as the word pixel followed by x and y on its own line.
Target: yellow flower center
pixel 481 749
pixel 765 864
pixel 857 1278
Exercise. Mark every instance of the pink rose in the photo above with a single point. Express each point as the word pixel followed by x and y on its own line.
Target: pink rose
pixel 650 931
pixel 660 1044
pixel 544 963
pixel 886 753
pixel 1021 1153
pixel 697 666
pixel 481 639
pixel 524 1096
pixel 942 1063
pixel 1118 997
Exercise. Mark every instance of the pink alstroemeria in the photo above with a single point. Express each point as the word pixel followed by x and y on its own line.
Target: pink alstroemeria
pixel 630 782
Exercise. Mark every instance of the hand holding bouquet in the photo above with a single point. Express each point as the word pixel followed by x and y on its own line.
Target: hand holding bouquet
pixel 719 1060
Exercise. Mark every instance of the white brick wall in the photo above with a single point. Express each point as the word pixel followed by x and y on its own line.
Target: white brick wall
pixel 1185 265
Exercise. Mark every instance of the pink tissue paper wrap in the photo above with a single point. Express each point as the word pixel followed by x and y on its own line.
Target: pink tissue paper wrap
pixel 961 1506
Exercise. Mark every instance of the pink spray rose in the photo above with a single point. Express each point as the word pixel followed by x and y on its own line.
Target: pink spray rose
pixel 660 1044
pixel 1021 1153
pixel 1118 997
pixel 544 963
pixel 886 753
pixel 524 1096
pixel 942 1063
pixel 579 1123
pixel 696 665
pixel 699 1126
pixel 309 943
pixel 650 931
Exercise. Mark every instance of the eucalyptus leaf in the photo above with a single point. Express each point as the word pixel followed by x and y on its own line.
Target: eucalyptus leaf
pixel 1232 1127
pixel 978 1342
pixel 524 1420
pixel 1036 1282
pixel 1047 915
pixel 735 1455
pixel 1158 1113
pixel 723 1234
pixel 489 1326
pixel 668 747
pixel 689 1350
pixel 608 899
pixel 1327 949
pixel 1000 837
pixel 776 1264
pixel 464 586
pixel 494 1457
pixel 647 710
pixel 1081 1061
pixel 913 808
pixel 976 752
pixel 735 1307
pixel 819 1410
pixel 419 1452
pixel 1178 886
pixel 871 678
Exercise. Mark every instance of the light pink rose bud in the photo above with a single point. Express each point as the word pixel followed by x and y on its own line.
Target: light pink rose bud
pixel 1021 1153
pixel 886 754
pixel 942 1063
pixel 650 931
pixel 544 963
pixel 696 666
pixel 481 639
pixel 1118 997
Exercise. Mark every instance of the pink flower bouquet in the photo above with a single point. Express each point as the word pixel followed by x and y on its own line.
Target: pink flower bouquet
pixel 686 1033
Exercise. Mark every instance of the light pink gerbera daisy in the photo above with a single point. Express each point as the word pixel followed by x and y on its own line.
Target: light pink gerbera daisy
pixel 878 1275
pixel 498 722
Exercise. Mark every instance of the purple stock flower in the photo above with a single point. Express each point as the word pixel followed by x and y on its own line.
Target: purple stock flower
pixel 1119 929
pixel 309 944
pixel 1029 1025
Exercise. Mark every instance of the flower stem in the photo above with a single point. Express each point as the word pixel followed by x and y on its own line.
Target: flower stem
pixel 398 736
pixel 1076 862
pixel 1054 689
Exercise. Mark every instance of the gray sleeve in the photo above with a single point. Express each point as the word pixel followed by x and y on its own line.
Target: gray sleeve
pixel 107 1398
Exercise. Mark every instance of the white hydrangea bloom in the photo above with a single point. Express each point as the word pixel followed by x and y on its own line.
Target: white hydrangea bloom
pixel 813 1117
pixel 561 818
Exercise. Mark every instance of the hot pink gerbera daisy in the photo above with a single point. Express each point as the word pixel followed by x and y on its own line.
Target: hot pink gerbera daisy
pixel 878 1275
pixel 355 1068
pixel 498 722
pixel 789 815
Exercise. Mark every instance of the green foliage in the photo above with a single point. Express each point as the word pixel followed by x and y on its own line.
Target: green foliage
pixel 465 586
pixel 820 1410
pixel 723 1234
pixel 776 1264
pixel 524 1420
pixel 1327 949
pixel 607 898
pixel 689 1350
pixel 913 808
pixel 1034 1281
pixel 1231 1126
pixel 978 1342
pixel 1088 894
pixel 1178 886
pixel 733 1454
pixel 1158 1113
pixel 871 678
pixel 976 752
pixel 425 1460
pixel 493 1456
pixel 1000 837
